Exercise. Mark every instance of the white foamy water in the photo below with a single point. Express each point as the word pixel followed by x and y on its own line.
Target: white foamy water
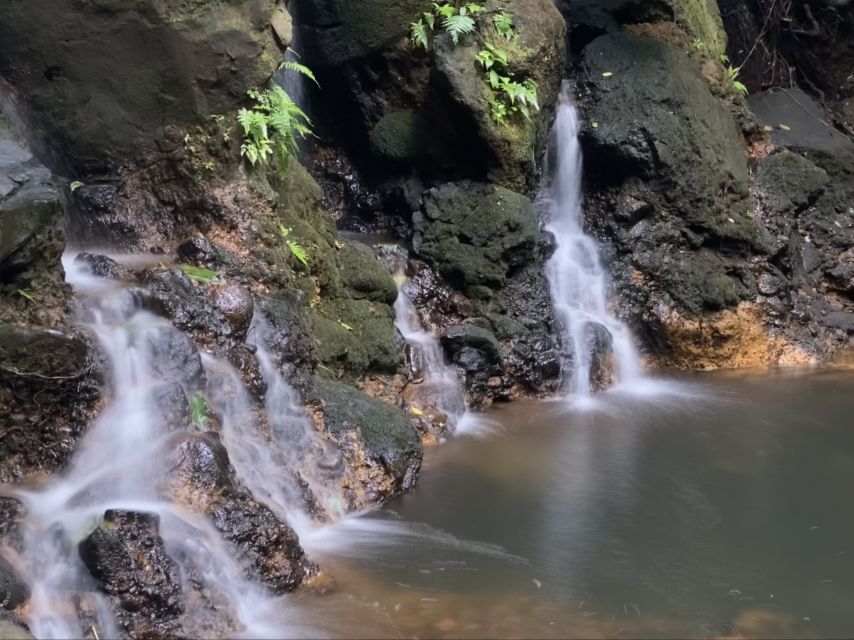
pixel 120 464
pixel 441 383
pixel 578 281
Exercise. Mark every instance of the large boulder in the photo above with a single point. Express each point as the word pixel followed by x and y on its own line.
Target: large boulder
pixel 337 31
pixel 13 591
pixel 668 185
pixel 476 234
pixel 169 62
pixel 508 151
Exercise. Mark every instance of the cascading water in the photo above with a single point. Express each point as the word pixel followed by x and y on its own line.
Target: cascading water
pixel 578 282
pixel 441 386
pixel 123 464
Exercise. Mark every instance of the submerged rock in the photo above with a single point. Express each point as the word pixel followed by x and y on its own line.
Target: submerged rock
pixel 127 558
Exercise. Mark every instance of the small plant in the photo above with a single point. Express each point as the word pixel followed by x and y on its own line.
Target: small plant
pixel 273 126
pixel 297 250
pixel 74 186
pixel 199 412
pixel 732 74
pixel 205 276
pixel 509 96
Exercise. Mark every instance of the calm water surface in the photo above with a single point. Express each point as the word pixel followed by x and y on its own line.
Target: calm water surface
pixel 721 509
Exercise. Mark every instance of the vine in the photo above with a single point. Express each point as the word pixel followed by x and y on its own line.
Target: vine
pixel 508 96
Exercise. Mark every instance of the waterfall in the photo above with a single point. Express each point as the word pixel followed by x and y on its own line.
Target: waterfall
pixel 124 462
pixel 440 386
pixel 578 281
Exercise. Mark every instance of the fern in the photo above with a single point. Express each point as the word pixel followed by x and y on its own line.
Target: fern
pixel 418 32
pixel 458 25
pixel 291 65
pixel 205 276
pixel 503 23
pixel 274 126
pixel 297 250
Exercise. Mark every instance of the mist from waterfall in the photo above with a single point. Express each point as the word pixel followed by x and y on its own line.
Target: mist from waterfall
pixel 579 283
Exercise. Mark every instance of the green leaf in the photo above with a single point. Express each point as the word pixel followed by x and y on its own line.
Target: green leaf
pixel 74 186
pixel 298 251
pixel 199 274
pixel 199 413
pixel 290 65
pixel 503 23
pixel 345 325
pixel 418 33
pixel 26 295
pixel 457 26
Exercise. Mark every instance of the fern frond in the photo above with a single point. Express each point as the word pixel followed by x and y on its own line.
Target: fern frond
pixel 418 33
pixel 298 251
pixel 458 25
pixel 290 65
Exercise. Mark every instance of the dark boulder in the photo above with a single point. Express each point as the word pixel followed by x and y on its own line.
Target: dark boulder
pixel 32 236
pixel 236 305
pixel 473 348
pixel 13 591
pixel 378 439
pixel 99 266
pixel 126 556
pixel 170 62
pixel 476 234
pixel 599 343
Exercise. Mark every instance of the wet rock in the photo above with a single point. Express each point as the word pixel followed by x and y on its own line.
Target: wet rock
pixel 13 590
pixel 175 63
pixel 32 236
pixel 174 358
pixel 236 304
pixel 127 558
pixel 201 478
pixel 49 386
pixel 473 348
pixel 599 343
pixel 476 234
pixel 187 303
pixel 95 220
pixel 100 266
pixel 290 337
pixel 378 440
pixel 199 250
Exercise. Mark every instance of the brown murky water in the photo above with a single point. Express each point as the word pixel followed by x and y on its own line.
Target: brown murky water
pixel 720 509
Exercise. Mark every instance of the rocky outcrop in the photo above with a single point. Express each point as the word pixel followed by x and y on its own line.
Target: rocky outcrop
pixel 169 62
pixel 13 591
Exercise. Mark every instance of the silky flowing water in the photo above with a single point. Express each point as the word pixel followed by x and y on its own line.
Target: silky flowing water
pixel 577 279
pixel 719 510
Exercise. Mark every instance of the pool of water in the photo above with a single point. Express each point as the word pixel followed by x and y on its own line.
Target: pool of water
pixel 718 506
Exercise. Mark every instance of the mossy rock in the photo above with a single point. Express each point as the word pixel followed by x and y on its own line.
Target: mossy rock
pixel 402 137
pixel 385 432
pixel 364 276
pixel 356 336
pixel 475 234
pixel 509 151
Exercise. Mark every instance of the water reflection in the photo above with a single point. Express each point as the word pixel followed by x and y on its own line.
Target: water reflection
pixel 717 510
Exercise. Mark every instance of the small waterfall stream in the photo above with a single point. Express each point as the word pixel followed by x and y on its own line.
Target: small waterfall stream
pixel 124 463
pixel 441 385
pixel 578 281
